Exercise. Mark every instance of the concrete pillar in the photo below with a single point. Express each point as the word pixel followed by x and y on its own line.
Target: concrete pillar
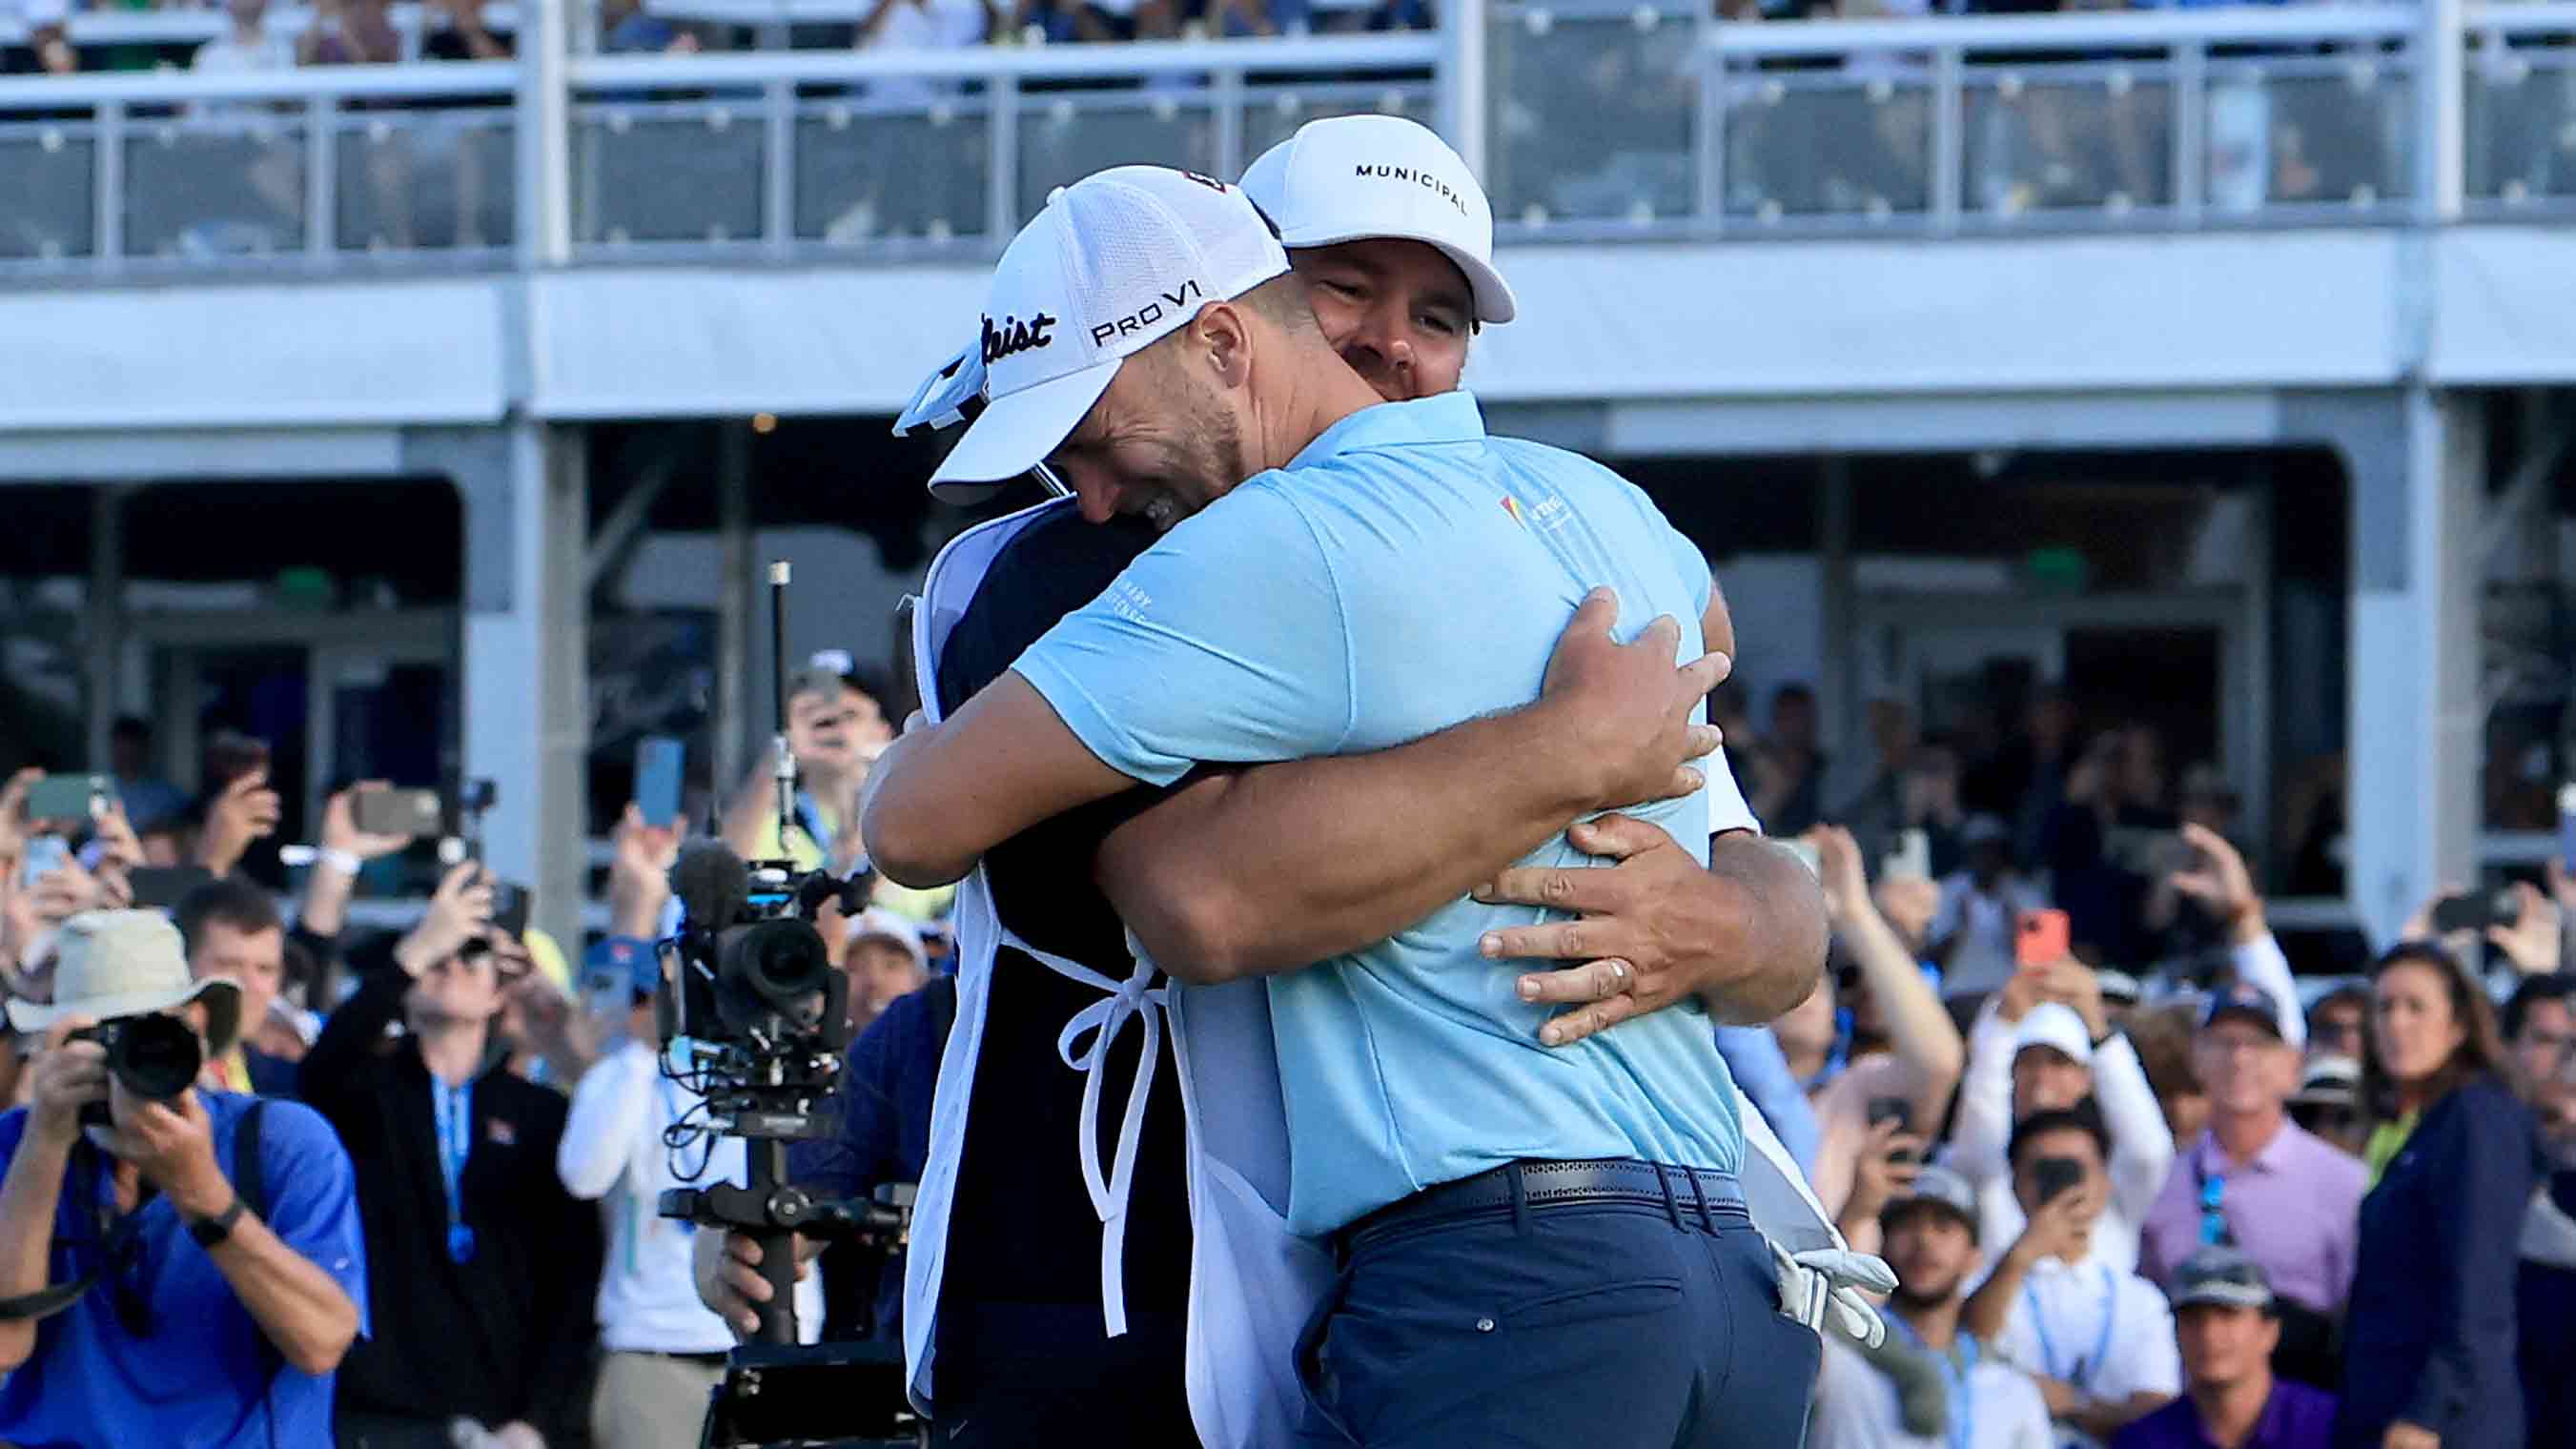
pixel 525 694
pixel 741 715
pixel 1838 682
pixel 2417 488
pixel 103 620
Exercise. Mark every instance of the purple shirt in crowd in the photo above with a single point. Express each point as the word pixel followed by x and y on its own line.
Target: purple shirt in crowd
pixel 2295 1417
pixel 2296 1210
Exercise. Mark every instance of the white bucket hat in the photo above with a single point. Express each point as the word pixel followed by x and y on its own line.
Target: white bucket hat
pixel 128 963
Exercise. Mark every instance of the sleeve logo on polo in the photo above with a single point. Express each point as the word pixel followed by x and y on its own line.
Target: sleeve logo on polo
pixel 1015 335
pixel 1127 601
pixel 1416 176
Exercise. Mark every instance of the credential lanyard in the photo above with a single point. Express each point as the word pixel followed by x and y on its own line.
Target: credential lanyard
pixel 2213 1205
pixel 1954 1366
pixel 2083 1368
pixel 454 1109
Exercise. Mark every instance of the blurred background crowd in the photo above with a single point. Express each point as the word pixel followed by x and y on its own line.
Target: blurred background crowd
pixel 2062 1075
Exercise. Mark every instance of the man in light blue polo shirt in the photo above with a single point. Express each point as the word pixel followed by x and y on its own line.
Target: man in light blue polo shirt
pixel 1539 1246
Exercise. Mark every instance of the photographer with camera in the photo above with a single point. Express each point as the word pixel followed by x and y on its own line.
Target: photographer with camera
pixel 229 1339
pixel 487 1265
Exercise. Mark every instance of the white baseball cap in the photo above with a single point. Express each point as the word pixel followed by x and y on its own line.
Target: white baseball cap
pixel 1344 178
pixel 1114 263
pixel 2054 1024
pixel 879 924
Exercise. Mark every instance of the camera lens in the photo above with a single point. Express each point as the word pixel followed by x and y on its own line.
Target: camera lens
pixel 770 967
pixel 156 1057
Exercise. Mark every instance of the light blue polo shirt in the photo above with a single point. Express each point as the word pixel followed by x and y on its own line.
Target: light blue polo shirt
pixel 1403 574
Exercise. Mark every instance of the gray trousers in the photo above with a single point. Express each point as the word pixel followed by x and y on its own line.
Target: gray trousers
pixel 650 1401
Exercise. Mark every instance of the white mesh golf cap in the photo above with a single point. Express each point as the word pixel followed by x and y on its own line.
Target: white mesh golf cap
pixel 1345 178
pixel 1115 261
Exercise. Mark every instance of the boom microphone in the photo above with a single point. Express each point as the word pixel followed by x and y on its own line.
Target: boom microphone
pixel 713 885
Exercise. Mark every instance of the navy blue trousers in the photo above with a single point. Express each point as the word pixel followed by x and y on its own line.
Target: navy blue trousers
pixel 1604 1326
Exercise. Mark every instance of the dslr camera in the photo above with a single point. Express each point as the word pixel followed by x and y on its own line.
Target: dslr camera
pixel 154 1057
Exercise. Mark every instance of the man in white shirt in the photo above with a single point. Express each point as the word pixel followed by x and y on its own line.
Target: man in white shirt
pixel 248 46
pixel 663 1350
pixel 2097 1337
pixel 1972 932
pixel 2046 1044
pixel 1931 1385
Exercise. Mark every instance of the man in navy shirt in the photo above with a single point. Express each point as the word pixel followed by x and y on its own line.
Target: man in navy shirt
pixel 2227 1324
pixel 205 1324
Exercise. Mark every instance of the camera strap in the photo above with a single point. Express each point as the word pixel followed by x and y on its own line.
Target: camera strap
pixel 116 1240
pixel 249 1184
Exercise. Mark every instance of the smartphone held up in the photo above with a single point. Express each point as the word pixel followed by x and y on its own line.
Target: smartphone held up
pixel 2040 939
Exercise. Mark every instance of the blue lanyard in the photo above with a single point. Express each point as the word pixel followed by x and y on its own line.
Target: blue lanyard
pixel 2083 1368
pixel 2213 1204
pixel 454 1110
pixel 2213 1215
pixel 1954 1374
pixel 810 815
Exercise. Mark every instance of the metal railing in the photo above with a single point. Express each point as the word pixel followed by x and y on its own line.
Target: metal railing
pixel 1643 120
pixel 1592 119
pixel 144 173
pixel 909 153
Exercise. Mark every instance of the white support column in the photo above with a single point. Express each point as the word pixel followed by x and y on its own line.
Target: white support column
pixel 2441 99
pixel 738 718
pixel 526 724
pixel 1838 680
pixel 2413 713
pixel 103 619
pixel 1464 76
pixel 545 132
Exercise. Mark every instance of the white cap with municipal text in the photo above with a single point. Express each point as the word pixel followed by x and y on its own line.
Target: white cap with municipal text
pixel 1115 262
pixel 1345 178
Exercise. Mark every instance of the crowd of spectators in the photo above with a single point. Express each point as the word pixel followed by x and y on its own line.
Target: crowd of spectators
pixel 2141 1185
pixel 366 32
pixel 471 1127
pixel 2179 1196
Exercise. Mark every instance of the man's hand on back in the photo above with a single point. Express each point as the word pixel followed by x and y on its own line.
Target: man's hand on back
pixel 1628 715
pixel 1647 936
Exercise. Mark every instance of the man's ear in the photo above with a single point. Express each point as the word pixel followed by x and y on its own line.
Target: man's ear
pixel 1223 337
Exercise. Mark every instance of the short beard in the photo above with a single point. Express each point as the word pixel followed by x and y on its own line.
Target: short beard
pixel 1215 451
pixel 1910 1301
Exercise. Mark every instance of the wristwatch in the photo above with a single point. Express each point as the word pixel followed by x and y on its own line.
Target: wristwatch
pixel 210 1231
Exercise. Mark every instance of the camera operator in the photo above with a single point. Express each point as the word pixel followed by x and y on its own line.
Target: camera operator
pixel 228 1340
pixel 663 1351
pixel 485 1266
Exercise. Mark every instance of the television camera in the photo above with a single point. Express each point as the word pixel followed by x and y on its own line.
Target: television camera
pixel 753 1018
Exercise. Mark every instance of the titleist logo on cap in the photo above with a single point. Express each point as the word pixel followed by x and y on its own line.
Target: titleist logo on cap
pixel 1015 335
pixel 1418 177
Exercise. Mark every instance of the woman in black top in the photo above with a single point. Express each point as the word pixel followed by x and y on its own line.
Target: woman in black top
pixel 2429 1344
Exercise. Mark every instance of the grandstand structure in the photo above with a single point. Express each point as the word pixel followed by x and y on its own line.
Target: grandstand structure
pixel 2284 297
